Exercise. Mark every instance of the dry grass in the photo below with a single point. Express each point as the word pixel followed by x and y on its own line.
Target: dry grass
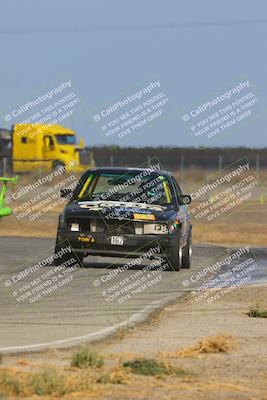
pixel 220 343
pixel 46 382
pixel 27 379
pixel 196 175
pixel 86 357
pixel 23 362
pixel 10 226
pixel 118 376
pixel 231 234
pixel 57 382
pixel 257 312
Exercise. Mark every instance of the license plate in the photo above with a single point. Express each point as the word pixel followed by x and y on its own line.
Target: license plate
pixel 118 240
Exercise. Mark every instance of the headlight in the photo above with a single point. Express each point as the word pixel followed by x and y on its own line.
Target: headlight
pixel 74 227
pixel 155 229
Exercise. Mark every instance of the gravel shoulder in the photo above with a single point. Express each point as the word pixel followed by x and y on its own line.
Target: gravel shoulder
pixel 240 373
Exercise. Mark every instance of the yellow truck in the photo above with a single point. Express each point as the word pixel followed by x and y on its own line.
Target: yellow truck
pixel 40 146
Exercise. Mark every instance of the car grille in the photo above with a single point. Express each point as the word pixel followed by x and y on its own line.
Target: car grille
pixel 114 227
pixel 126 228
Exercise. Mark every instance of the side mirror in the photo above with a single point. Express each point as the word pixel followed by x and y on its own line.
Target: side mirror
pixel 65 192
pixel 46 141
pixel 81 143
pixel 49 143
pixel 185 199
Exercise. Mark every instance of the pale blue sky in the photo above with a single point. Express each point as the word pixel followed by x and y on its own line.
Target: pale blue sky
pixel 109 47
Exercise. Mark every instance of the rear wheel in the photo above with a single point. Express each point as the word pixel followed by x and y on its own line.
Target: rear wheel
pixel 187 253
pixel 67 255
pixel 175 257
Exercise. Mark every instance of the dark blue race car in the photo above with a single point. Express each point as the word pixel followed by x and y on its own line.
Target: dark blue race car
pixel 124 212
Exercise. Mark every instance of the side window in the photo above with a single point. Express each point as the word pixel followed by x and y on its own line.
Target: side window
pixel 177 188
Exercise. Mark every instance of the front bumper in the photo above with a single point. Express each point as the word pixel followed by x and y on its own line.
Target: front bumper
pixel 99 243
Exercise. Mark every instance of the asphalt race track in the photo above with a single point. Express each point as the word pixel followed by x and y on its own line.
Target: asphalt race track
pixel 85 307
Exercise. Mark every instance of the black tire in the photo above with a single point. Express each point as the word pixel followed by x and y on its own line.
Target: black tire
pixel 65 257
pixel 187 253
pixel 58 165
pixel 175 256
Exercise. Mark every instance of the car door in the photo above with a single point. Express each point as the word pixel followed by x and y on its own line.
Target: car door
pixel 48 148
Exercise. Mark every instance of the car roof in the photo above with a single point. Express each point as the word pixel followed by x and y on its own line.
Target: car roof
pixel 125 170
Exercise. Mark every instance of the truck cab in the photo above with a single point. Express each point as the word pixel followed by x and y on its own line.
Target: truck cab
pixel 40 146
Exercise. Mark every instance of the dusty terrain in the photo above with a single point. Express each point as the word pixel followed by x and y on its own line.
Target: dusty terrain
pixel 239 371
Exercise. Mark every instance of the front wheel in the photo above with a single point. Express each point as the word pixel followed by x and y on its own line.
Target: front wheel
pixel 58 166
pixel 187 253
pixel 175 257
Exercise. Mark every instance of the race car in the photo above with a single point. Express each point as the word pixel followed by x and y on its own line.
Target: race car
pixel 124 212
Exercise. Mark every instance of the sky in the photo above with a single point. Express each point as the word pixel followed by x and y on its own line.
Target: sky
pixel 110 50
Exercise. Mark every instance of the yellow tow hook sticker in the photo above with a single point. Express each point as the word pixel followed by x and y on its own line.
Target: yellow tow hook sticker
pixel 86 239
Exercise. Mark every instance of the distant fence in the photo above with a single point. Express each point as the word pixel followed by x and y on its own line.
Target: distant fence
pixel 178 158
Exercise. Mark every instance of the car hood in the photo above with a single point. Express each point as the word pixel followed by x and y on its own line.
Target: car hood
pixel 118 210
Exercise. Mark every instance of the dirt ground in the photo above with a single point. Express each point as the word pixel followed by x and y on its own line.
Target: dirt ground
pixel 240 372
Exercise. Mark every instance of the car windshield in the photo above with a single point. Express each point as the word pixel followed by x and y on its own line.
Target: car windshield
pixel 139 187
pixel 66 139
